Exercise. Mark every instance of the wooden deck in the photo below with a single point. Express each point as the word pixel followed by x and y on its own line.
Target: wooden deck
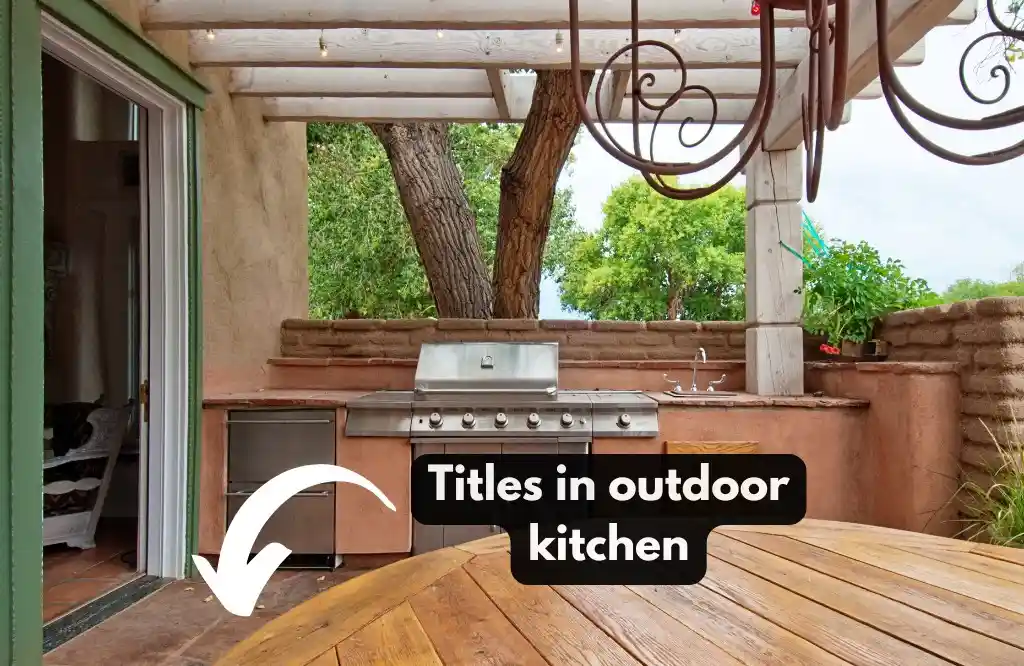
pixel 818 593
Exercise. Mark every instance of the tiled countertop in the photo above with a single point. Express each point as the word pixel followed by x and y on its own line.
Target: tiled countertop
pixel 315 398
pixel 748 400
pixel 282 398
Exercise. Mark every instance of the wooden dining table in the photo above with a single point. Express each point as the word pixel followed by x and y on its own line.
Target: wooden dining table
pixel 817 593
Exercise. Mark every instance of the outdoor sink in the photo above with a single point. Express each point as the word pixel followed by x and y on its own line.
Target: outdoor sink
pixel 699 394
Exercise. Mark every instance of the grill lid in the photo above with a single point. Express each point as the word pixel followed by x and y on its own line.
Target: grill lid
pixel 487 367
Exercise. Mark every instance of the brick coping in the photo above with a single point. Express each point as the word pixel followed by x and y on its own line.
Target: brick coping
pixel 892 367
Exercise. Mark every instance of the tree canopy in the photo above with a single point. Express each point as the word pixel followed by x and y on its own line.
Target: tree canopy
pixel 968 289
pixel 364 259
pixel 659 258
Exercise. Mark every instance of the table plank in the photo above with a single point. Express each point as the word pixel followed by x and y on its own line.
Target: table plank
pixel 747 636
pixel 467 628
pixel 995 568
pixel 966 612
pixel 493 544
pixel 908 624
pixel 394 638
pixel 844 637
pixel 646 632
pixel 823 529
pixel 329 658
pixel 1005 553
pixel 562 634
pixel 319 624
pixel 953 578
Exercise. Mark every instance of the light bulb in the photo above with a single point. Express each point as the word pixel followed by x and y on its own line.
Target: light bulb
pixel 210 35
pixel 558 41
pixel 677 35
pixel 323 47
pixel 440 33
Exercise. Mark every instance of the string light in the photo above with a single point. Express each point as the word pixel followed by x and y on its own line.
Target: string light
pixel 323 45
pixel 440 33
pixel 210 35
pixel 558 41
pixel 677 34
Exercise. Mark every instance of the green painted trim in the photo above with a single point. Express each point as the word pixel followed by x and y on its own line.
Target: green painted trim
pixel 195 335
pixel 118 38
pixel 21 334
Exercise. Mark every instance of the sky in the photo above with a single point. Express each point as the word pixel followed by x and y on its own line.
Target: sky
pixel 942 220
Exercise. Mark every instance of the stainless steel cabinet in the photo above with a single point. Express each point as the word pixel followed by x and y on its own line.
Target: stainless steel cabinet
pixel 265 443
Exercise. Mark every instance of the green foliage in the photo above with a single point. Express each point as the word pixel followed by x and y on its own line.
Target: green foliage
pixel 998 507
pixel 968 289
pixel 848 290
pixel 362 256
pixel 657 258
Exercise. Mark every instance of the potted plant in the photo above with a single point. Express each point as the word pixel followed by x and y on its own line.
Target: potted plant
pixel 848 290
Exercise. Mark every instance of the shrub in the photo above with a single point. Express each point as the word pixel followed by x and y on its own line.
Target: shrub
pixel 849 289
pixel 998 510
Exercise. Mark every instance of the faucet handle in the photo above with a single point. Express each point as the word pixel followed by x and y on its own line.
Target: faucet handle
pixel 712 385
pixel 675 384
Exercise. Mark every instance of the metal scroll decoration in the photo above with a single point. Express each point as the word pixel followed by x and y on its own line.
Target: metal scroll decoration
pixel 822 101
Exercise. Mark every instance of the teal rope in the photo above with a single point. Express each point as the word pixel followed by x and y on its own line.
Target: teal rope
pixel 795 254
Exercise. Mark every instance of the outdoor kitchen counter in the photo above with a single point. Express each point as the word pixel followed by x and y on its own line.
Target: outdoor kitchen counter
pixel 751 400
pixel 282 398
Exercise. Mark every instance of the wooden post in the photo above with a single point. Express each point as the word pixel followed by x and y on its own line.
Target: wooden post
pixel 774 345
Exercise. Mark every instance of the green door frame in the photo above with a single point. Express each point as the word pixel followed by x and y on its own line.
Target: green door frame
pixel 21 292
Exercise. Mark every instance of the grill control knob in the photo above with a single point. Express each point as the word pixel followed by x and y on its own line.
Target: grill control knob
pixel 468 420
pixel 500 420
pixel 624 420
pixel 533 420
pixel 567 420
pixel 435 420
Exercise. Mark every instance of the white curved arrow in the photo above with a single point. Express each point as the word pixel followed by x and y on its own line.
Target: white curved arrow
pixel 236 582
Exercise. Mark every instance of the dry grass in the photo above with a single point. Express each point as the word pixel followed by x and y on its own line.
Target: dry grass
pixel 998 510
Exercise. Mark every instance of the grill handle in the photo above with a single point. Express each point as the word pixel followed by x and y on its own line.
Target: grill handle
pixel 550 390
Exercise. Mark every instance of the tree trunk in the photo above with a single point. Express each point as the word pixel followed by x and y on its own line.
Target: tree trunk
pixel 443 225
pixel 528 193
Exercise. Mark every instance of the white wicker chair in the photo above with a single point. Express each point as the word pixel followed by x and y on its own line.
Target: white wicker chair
pixel 78 529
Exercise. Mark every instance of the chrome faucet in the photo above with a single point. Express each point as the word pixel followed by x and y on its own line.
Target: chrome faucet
pixel 703 359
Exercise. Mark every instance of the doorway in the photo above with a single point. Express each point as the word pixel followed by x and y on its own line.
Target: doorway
pixel 93 184
pixel 116 326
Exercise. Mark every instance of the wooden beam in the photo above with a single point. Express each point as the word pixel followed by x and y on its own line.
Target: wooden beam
pixel 393 109
pixel 498 80
pixel 619 90
pixel 909 22
pixel 464 14
pixel 449 83
pixel 524 49
pixel 358 82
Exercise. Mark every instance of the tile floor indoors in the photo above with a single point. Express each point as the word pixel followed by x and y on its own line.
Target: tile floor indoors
pixel 183 625
pixel 72 577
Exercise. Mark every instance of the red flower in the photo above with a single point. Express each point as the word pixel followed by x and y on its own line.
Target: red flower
pixel 829 349
pixel 755 8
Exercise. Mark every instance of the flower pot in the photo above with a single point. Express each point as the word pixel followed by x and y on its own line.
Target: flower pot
pixel 869 350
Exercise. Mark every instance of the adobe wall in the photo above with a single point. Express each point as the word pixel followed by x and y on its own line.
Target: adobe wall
pixel 986 339
pixel 578 340
pixel 255 216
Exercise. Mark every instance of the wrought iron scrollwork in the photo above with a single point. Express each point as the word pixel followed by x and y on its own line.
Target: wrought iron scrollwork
pixel 822 101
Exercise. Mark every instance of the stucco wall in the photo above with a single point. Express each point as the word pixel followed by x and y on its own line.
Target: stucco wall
pixel 986 339
pixel 255 214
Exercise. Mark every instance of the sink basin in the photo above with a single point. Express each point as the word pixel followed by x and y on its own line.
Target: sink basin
pixel 699 394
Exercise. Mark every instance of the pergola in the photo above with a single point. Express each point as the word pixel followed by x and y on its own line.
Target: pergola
pixel 452 60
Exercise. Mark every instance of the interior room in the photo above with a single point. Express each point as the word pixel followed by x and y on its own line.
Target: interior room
pixel 95 375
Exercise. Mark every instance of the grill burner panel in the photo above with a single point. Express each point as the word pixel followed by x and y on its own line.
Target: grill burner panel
pixel 498 390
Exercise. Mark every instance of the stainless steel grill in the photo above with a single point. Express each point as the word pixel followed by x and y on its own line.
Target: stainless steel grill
pixel 498 390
